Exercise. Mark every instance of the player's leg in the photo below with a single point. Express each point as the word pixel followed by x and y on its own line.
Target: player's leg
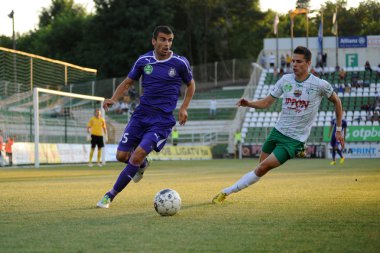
pixel 283 147
pixel 339 151
pixel 333 150
pixel 93 145
pixel 130 139
pixel 100 144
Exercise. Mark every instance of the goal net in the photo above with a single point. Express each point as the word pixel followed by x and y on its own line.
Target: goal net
pixel 49 126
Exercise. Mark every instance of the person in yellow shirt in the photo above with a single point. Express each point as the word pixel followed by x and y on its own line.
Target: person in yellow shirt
pixel 97 128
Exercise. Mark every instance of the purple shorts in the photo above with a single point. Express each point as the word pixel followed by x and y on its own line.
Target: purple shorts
pixel 148 128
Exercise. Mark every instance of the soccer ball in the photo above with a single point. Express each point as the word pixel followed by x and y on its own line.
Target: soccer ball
pixel 167 202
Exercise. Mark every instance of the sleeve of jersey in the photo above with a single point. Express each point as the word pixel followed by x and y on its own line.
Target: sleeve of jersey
pixel 277 91
pixel 185 72
pixel 327 89
pixel 136 72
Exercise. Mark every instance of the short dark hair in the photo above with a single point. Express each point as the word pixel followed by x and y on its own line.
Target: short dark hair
pixel 304 51
pixel 161 29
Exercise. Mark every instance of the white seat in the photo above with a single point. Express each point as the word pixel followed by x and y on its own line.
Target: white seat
pixel 349 113
pixel 244 130
pixel 266 124
pixel 368 123
pixel 252 124
pixel 329 114
pixel 363 113
pixel 376 123
pixel 322 113
pixel 320 123
pixel 272 124
pixel 355 123
pixel 245 124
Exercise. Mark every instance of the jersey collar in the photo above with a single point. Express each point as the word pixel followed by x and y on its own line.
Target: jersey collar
pixel 302 80
pixel 154 56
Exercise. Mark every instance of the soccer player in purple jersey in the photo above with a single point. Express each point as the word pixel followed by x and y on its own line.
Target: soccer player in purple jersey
pixel 163 73
pixel 335 144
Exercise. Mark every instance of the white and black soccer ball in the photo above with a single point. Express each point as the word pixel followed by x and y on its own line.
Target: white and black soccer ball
pixel 167 202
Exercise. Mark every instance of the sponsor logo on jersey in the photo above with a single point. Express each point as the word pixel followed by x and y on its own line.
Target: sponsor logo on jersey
pixel 287 87
pixel 148 69
pixel 171 72
pixel 297 103
pixel 297 93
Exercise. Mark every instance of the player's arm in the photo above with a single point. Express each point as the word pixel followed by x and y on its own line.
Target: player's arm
pixel 339 113
pixel 119 92
pixel 258 104
pixel 182 114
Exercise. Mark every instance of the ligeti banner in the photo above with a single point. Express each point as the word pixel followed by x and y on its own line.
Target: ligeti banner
pixel 357 133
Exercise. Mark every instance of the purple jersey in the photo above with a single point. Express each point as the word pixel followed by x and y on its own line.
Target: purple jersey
pixel 161 80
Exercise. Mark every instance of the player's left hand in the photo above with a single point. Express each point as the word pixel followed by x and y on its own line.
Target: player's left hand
pixel 340 138
pixel 182 116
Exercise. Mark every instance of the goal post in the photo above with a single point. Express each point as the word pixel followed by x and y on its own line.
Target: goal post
pixel 36 108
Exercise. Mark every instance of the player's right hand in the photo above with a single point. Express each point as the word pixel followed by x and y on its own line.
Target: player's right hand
pixel 242 102
pixel 107 103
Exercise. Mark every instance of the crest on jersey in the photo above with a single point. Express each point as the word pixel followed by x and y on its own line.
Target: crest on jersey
pixel 297 93
pixel 287 87
pixel 171 72
pixel 148 69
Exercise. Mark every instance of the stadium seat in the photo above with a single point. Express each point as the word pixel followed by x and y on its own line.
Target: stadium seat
pixel 368 123
pixel 376 123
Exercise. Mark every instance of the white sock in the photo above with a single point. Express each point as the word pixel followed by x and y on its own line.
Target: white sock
pixel 245 181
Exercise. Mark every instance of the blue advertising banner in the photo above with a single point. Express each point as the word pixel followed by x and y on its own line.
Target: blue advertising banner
pixel 352 41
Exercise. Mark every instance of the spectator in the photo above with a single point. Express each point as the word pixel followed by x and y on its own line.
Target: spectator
pixel 132 93
pixel 283 61
pixel 324 60
pixel 212 108
pixel 1 148
pixel 342 74
pixel 281 73
pixel 378 70
pixel 263 60
pixel 272 59
pixel 375 116
pixel 8 149
pixel 319 60
pixel 288 61
pixel 124 107
pixel 175 136
pixel 367 66
pixel 116 108
pixel 347 88
pixel 237 142
pixel 341 88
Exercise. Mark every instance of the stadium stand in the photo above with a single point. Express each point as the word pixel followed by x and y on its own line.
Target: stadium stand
pixel 359 102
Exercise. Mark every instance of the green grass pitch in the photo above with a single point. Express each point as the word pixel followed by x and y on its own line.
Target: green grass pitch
pixel 303 206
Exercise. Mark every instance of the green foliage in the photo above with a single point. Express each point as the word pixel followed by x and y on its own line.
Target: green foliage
pixel 205 31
